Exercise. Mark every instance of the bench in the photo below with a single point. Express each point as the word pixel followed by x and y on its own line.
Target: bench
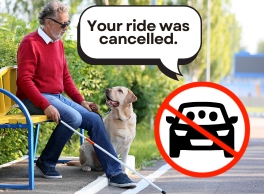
pixel 8 101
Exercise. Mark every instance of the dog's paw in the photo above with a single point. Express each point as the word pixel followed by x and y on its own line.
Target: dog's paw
pixel 86 168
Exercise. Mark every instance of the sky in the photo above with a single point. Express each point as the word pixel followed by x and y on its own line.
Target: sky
pixel 249 14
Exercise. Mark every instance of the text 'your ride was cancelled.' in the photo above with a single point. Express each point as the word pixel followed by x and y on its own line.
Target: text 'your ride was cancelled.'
pixel 150 37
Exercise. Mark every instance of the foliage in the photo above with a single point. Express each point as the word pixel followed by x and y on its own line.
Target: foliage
pixel 13 142
pixel 148 84
pixel 12 31
pixel 260 47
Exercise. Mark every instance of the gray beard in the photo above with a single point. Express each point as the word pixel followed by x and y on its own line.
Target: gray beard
pixel 57 36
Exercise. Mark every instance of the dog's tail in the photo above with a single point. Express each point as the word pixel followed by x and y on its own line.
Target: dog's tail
pixel 73 163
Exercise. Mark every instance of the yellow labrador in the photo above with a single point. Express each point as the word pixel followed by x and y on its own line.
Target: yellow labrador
pixel 120 125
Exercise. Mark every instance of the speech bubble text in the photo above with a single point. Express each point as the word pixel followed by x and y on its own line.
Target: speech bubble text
pixel 166 36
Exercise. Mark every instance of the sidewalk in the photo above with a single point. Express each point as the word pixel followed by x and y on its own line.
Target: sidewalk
pixel 246 177
pixel 73 179
pixel 256 127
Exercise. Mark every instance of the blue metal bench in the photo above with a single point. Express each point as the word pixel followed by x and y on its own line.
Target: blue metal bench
pixel 8 100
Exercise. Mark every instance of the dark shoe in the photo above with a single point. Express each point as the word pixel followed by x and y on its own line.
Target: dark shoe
pixel 122 180
pixel 47 171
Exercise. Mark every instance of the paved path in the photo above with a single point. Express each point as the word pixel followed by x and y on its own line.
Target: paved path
pixel 257 128
pixel 247 176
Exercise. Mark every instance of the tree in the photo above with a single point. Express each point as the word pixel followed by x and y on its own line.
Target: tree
pixel 29 7
pixel 225 37
pixel 261 46
pixel 139 2
pixel 108 2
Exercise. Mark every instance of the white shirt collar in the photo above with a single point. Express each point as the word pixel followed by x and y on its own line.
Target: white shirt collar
pixel 45 37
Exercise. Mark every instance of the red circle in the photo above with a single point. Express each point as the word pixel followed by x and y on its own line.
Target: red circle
pixel 238 155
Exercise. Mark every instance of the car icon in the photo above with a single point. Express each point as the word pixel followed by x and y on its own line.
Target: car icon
pixel 212 117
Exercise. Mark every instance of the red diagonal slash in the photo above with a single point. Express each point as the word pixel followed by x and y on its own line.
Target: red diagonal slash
pixel 201 130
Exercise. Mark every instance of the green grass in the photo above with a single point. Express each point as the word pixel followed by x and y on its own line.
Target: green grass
pixel 144 147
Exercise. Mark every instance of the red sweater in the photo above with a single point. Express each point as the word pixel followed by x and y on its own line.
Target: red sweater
pixel 42 68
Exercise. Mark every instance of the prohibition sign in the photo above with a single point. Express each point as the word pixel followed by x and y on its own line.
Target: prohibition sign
pixel 165 106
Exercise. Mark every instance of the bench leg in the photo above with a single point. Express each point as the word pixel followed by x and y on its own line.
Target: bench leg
pixel 81 139
pixel 36 139
pixel 30 157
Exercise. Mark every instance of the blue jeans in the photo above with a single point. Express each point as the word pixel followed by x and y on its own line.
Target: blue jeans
pixel 76 116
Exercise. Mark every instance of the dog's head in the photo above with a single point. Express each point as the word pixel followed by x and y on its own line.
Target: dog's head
pixel 119 96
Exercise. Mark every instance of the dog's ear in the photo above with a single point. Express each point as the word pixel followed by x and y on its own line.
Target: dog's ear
pixel 130 97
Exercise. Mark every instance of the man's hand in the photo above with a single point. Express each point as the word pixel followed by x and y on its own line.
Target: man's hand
pixel 86 104
pixel 52 113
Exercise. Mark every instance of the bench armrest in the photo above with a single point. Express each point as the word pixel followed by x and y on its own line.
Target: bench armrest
pixel 19 103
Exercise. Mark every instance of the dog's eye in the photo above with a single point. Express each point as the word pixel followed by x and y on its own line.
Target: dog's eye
pixel 120 91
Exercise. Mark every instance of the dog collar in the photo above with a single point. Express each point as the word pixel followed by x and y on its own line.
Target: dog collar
pixel 122 120
pixel 117 119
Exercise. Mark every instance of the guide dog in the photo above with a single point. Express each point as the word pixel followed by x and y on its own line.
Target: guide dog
pixel 120 125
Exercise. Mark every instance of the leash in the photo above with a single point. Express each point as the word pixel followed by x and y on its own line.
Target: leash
pixel 106 112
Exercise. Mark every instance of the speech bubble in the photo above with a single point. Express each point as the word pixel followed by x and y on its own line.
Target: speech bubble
pixel 167 36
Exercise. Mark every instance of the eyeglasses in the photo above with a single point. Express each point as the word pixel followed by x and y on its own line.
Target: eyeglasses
pixel 62 25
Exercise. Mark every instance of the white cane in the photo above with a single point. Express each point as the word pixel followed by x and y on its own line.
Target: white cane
pixel 116 159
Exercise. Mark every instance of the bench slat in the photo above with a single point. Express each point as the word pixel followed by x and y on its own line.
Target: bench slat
pixel 20 118
pixel 5 84
pixel 7 87
pixel 5 119
pixel 2 99
pixel 35 119
pixel 4 70
pixel 13 86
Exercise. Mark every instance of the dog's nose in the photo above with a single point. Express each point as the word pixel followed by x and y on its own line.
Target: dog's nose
pixel 107 90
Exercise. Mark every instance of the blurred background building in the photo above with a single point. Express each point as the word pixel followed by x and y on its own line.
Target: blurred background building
pixel 247 81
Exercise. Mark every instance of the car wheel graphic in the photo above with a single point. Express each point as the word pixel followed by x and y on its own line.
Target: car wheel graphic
pixel 175 153
pixel 228 155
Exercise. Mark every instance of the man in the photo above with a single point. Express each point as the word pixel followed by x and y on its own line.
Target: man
pixel 42 76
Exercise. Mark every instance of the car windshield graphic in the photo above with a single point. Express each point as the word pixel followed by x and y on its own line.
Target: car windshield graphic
pixel 203 115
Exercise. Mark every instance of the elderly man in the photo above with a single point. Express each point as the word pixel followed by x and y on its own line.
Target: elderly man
pixel 42 77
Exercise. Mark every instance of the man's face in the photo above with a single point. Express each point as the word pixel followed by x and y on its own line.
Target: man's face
pixel 55 28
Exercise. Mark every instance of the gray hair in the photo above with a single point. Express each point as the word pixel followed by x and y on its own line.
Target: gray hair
pixel 50 10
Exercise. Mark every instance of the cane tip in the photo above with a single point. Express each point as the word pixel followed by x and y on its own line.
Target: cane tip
pixel 163 192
